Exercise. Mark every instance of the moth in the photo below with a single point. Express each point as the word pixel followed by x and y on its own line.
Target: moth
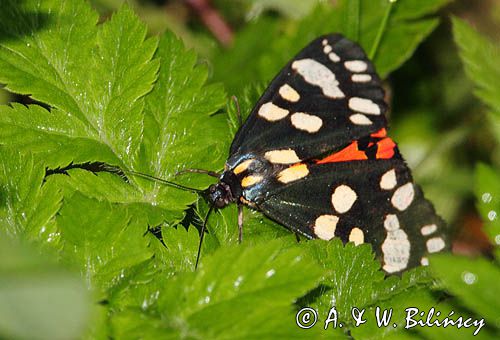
pixel 314 156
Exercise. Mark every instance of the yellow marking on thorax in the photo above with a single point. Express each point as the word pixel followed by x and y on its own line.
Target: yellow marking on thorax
pixel 242 166
pixel 250 180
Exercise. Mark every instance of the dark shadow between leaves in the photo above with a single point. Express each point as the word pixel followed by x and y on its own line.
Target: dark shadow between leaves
pixel 17 22
pixel 93 167
pixel 312 296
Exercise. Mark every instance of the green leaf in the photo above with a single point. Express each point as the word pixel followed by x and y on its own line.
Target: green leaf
pixel 128 71
pixel 56 137
pixel 352 275
pixel 403 305
pixel 103 241
pixel 478 329
pixel 27 206
pixel 179 131
pixel 43 46
pixel 260 280
pixel 481 60
pixel 180 248
pixel 409 23
pixel 487 190
pixel 353 279
pixel 397 304
pixel 96 91
pixel 256 227
pixel 265 46
pixel 37 296
pixel 395 293
pixel 94 79
pixel 352 19
pixel 104 186
pixel 418 277
pixel 471 280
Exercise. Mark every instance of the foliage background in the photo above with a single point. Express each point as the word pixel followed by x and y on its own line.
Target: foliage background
pixel 101 81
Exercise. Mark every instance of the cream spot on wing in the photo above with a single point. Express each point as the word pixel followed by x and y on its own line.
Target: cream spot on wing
pixel 242 166
pixel 396 246
pixel 334 57
pixel 293 173
pixel 356 65
pixel 325 225
pixel 403 196
pixel 357 236
pixel 285 156
pixel 343 198
pixel 327 49
pixel 306 122
pixel 361 78
pixel 288 93
pixel 360 119
pixel 364 105
pixel 324 42
pixel 391 222
pixel 318 74
pixel 388 180
pixel 396 251
pixel 272 112
pixel 250 180
pixel 435 244
pixel 428 229
pixel 424 261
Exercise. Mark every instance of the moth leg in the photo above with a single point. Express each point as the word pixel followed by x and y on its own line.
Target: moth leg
pixel 240 223
pixel 238 112
pixel 198 171
pixel 297 237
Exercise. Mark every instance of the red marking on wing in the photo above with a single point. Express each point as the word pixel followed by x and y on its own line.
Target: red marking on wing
pixel 380 133
pixel 385 148
pixel 349 153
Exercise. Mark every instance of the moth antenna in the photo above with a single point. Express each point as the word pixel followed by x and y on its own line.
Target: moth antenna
pixel 152 178
pixel 198 171
pixel 203 228
pixel 163 181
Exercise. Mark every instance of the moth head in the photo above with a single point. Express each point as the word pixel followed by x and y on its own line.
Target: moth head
pixel 219 195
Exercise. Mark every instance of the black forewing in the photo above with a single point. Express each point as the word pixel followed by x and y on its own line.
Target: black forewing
pixel 258 135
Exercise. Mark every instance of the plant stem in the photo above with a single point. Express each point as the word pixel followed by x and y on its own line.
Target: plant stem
pixel 381 30
pixel 352 19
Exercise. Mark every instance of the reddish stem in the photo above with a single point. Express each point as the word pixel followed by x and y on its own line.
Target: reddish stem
pixel 213 20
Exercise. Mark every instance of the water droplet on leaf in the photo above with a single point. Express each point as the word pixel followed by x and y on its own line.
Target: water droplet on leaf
pixel 469 278
pixel 270 273
pixel 486 197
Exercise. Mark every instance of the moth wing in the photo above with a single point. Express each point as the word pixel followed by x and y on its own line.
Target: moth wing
pixel 371 201
pixel 325 97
